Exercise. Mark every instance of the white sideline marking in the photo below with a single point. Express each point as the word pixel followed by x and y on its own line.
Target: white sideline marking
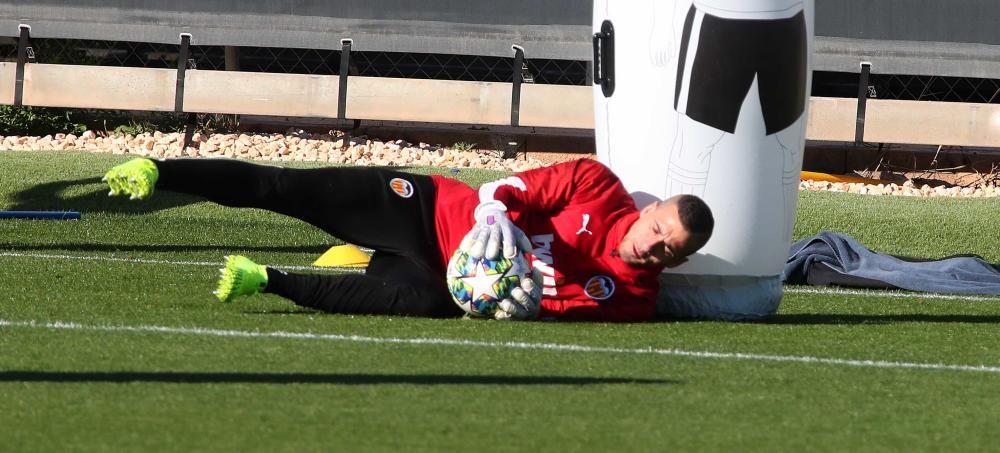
pixel 180 263
pixel 60 325
pixel 788 289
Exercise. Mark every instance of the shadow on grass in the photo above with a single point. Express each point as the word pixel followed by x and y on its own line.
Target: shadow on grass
pixel 172 377
pixel 50 197
pixel 852 319
pixel 166 248
pixel 796 319
pixel 291 311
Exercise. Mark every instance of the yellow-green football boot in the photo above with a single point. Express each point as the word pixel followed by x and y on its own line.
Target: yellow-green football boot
pixel 135 178
pixel 240 277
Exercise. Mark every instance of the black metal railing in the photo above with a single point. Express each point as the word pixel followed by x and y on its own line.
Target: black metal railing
pixel 300 61
pixel 909 87
pixel 457 67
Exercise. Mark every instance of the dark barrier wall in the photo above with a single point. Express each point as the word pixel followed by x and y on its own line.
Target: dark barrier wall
pixel 954 21
pixel 925 37
pixel 557 29
pixel 508 12
pixel 928 37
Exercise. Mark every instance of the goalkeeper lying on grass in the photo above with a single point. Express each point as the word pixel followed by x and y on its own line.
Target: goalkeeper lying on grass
pixel 594 255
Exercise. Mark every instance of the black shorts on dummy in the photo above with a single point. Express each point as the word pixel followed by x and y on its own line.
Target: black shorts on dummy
pixel 389 211
pixel 729 54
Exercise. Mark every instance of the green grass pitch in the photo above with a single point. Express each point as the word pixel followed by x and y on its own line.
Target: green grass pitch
pixel 110 340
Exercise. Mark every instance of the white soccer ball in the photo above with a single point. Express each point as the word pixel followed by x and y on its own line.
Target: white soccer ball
pixel 478 285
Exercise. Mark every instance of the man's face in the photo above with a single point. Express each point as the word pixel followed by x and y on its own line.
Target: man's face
pixel 657 238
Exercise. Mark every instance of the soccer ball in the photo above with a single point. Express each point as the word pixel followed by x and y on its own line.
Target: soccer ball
pixel 479 284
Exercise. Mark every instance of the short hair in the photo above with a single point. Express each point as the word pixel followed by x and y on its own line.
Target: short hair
pixel 695 216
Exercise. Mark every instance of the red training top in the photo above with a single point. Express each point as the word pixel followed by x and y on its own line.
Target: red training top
pixel 575 214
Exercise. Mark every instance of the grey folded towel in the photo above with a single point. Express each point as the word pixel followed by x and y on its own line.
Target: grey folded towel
pixel 836 259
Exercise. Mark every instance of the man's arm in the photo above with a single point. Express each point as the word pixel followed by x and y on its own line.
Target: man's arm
pixel 546 189
pixel 549 189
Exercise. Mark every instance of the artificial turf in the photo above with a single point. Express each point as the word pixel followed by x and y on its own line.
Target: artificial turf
pixel 110 339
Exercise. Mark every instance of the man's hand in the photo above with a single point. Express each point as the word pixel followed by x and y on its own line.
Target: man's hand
pixel 494 231
pixel 524 302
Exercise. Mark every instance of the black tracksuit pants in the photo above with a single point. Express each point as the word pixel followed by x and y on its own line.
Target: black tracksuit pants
pixel 388 211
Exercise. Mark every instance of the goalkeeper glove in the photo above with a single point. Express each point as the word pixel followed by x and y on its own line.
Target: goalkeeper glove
pixel 494 231
pixel 524 302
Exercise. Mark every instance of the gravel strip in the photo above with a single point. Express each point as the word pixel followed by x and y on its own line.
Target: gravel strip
pixel 336 147
pixel 907 189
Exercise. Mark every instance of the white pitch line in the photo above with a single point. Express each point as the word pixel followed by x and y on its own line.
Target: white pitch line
pixel 60 325
pixel 790 289
pixel 179 263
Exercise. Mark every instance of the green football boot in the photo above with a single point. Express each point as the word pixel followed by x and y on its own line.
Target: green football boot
pixel 135 178
pixel 240 277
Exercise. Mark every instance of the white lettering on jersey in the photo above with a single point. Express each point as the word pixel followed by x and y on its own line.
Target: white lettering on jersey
pixel 541 247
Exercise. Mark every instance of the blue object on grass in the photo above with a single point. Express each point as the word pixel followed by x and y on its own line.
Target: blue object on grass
pixel 831 258
pixel 41 215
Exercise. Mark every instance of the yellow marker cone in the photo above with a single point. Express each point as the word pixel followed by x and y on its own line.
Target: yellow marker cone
pixel 814 176
pixel 343 256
